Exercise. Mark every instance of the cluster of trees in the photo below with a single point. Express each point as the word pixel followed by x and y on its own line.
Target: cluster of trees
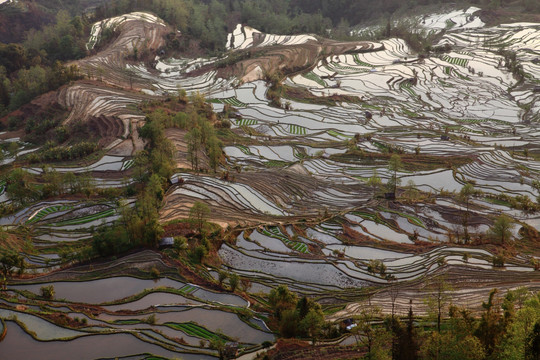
pixel 20 87
pixel 508 328
pixel 197 117
pixel 33 67
pixel 10 263
pixel 295 317
pixel 63 40
pixel 23 187
pixel 505 330
pixel 139 224
pixel 204 20
pixel 62 153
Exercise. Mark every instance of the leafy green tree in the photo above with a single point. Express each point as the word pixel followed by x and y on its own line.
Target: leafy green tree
pixel 438 299
pixel 281 299
pixel 199 253
pixel 198 214
pixel 234 280
pixel 516 344
pixel 502 228
pixel 374 181
pixel 490 329
pixel 214 152
pixel 222 275
pixel 374 338
pixel 312 324
pixel 47 292
pixel 10 261
pixel 218 343
pixel 532 348
pixel 447 346
pixel 19 187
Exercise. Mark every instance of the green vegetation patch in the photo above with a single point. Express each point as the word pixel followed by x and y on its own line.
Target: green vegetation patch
pixel 337 134
pixel 456 61
pixel 360 62
pixel 406 86
pixel 234 102
pixel 87 219
pixel 314 77
pixel 274 232
pixel 127 322
pixel 297 130
pixel 412 219
pixel 127 165
pixel 245 122
pixel 188 289
pixel 193 329
pixel 47 211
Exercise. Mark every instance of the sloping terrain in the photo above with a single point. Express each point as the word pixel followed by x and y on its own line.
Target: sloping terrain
pixel 300 189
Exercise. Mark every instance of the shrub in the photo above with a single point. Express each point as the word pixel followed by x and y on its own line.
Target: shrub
pixel 151 319
pixel 47 292
pixel 498 261
pixel 154 272
pixel 199 253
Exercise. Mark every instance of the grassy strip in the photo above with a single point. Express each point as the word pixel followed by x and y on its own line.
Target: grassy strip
pixel 276 234
pixel 193 329
pixel 188 289
pixel 360 62
pixel 338 134
pixel 412 219
pixel 127 322
pixel 276 163
pixel 314 77
pixel 248 122
pixel 297 130
pixel 244 149
pixel 407 87
pixel 51 209
pixel 456 60
pixel 234 102
pixel 127 165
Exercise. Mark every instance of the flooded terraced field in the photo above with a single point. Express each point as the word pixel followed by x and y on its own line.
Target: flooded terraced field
pixel 303 195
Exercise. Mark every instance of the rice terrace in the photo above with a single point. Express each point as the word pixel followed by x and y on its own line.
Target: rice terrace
pixel 189 179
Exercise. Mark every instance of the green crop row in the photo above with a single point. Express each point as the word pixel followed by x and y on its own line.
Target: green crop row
pixel 127 164
pixel 297 130
pixel 314 77
pixel 193 329
pixel 360 62
pixel 456 61
pixel 234 102
pixel 87 219
pixel 47 211
pixel 275 233
pixel 248 122
pixel 188 289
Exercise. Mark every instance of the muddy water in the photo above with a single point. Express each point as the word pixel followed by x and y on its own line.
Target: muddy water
pixel 103 290
pixel 18 345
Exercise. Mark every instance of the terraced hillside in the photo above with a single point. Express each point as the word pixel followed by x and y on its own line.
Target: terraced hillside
pixel 349 192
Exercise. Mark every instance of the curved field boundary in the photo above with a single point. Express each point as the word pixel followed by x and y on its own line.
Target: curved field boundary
pixel 47 211
pixel 275 233
pixel 87 219
pixel 192 329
